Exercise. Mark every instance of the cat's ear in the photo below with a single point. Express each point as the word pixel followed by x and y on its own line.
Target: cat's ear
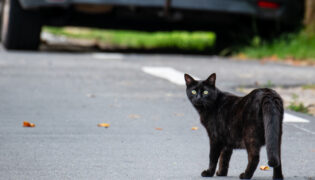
pixel 189 80
pixel 211 79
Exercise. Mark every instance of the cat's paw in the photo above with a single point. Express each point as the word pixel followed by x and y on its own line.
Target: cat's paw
pixel 244 176
pixel 278 177
pixel 221 173
pixel 207 173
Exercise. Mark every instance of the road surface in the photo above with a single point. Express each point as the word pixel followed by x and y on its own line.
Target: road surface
pixel 150 137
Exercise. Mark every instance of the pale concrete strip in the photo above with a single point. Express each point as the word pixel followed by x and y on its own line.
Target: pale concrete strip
pixel 108 56
pixel 177 77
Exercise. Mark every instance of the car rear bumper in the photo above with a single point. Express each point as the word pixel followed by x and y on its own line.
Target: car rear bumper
pixel 232 6
pixel 243 7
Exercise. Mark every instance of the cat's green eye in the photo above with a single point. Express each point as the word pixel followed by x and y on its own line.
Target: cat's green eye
pixel 194 92
pixel 205 92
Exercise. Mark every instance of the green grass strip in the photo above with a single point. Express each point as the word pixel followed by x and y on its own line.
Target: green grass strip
pixel 196 41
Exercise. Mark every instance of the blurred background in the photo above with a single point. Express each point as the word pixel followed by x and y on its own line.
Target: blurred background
pixel 248 29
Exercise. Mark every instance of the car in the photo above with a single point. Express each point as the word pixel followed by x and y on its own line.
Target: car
pixel 22 19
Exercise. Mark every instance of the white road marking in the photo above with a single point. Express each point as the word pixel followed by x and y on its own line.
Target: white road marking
pixel 291 118
pixel 108 56
pixel 167 73
pixel 177 77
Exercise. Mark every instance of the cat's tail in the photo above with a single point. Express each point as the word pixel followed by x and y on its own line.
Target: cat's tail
pixel 272 110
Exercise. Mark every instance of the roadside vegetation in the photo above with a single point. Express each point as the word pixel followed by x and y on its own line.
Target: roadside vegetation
pixel 294 46
pixel 123 39
pixel 299 46
pixel 309 86
pixel 297 106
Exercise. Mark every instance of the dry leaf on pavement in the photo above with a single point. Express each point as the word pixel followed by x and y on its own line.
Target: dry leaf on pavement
pixel 103 125
pixel 28 124
pixel 194 128
pixel 264 168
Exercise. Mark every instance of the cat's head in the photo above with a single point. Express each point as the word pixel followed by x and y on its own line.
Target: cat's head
pixel 201 93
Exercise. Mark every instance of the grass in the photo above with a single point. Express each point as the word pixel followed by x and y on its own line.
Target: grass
pixel 309 86
pixel 182 40
pixel 269 84
pixel 298 106
pixel 299 46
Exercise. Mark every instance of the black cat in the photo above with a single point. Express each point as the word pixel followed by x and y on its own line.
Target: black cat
pixel 234 122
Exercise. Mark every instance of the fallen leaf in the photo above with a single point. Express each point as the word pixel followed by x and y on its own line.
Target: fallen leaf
pixel 28 124
pixel 194 128
pixel 103 125
pixel 134 116
pixel 159 129
pixel 264 168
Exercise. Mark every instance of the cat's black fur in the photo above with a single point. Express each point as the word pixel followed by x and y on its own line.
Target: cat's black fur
pixel 234 122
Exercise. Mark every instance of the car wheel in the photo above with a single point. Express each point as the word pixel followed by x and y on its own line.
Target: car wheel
pixel 20 28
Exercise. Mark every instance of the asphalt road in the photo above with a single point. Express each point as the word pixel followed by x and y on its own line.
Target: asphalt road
pixel 67 94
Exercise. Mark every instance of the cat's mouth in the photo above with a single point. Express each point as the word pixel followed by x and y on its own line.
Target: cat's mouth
pixel 197 103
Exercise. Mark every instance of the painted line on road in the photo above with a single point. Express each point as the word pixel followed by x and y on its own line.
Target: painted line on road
pixel 291 118
pixel 177 78
pixel 108 56
pixel 167 73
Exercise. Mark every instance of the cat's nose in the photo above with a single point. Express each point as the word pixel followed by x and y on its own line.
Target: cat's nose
pixel 196 102
pixel 198 99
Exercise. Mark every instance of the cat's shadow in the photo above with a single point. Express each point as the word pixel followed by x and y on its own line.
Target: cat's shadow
pixel 253 178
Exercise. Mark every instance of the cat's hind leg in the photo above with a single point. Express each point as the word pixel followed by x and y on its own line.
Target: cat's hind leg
pixel 225 157
pixel 253 159
pixel 277 171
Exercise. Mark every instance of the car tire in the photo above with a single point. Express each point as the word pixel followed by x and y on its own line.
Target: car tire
pixel 20 28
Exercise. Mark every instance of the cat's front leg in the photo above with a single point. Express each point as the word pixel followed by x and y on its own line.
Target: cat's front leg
pixel 215 150
pixel 224 161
